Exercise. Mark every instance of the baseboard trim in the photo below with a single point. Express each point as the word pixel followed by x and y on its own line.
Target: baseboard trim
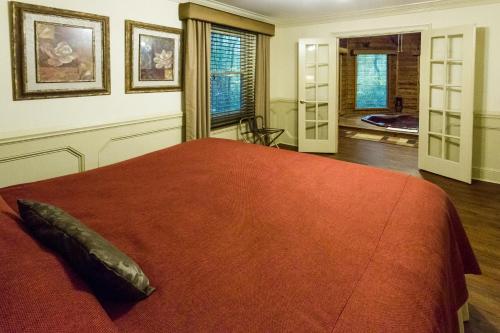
pixel 486 175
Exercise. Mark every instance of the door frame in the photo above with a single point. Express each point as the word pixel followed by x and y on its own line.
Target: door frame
pixel 380 32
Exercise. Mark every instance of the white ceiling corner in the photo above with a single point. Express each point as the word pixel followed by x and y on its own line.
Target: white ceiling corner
pixel 301 12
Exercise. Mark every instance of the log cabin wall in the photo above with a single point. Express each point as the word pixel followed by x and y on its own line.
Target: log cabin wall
pixel 403 71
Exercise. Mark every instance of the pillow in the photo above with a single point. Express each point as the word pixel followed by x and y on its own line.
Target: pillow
pixel 108 270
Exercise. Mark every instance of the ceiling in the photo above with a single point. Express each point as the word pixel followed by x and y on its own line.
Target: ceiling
pixel 283 11
pixel 308 8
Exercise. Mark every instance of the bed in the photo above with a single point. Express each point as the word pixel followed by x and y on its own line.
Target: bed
pixel 243 238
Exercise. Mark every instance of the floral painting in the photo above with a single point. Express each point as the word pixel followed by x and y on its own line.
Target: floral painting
pixel 156 58
pixel 58 53
pixel 64 53
pixel 153 58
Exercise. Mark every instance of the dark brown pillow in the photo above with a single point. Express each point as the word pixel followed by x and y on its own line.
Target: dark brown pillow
pixel 108 270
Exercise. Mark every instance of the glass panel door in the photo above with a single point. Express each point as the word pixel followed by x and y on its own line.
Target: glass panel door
pixel 317 95
pixel 447 96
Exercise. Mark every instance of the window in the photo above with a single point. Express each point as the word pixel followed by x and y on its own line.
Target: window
pixel 371 81
pixel 232 75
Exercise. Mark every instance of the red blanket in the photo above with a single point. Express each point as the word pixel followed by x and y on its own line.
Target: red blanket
pixel 237 237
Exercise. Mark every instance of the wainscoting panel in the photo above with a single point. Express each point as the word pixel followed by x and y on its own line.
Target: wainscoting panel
pixel 486 159
pixel 126 147
pixel 41 156
pixel 231 133
pixel 40 165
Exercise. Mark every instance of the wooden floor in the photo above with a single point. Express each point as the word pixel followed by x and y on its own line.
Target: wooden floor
pixel 479 207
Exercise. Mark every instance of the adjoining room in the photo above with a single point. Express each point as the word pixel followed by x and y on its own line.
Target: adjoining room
pixel 379 88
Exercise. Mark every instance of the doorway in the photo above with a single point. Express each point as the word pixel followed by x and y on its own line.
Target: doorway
pixel 379 88
pixel 446 83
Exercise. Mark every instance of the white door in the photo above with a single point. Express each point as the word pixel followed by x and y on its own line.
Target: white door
pixel 447 101
pixel 318 121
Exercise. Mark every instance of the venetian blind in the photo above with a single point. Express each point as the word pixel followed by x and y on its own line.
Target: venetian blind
pixel 232 75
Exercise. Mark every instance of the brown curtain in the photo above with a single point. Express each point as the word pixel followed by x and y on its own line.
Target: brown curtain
pixel 262 85
pixel 197 79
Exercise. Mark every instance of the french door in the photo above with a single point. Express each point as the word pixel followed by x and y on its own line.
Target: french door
pixel 317 90
pixel 447 101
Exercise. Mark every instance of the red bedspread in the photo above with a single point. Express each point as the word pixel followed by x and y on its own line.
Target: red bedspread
pixel 237 237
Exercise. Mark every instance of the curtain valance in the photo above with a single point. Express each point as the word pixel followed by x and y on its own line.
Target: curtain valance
pixel 194 11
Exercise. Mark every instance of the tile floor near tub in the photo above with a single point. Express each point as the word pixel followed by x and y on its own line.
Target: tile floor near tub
pixel 378 137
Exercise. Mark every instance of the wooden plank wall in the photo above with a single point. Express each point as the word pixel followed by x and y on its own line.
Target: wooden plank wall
pixel 403 77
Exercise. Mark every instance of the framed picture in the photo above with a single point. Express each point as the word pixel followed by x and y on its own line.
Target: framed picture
pixel 58 53
pixel 152 58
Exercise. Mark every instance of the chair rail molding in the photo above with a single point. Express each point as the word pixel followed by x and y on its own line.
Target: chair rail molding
pixel 487 120
pixel 51 154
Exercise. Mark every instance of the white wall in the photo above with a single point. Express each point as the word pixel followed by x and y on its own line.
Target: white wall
pixel 38 116
pixel 487 101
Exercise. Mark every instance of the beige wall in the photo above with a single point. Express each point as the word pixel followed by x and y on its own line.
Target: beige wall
pixel 487 101
pixel 41 156
pixel 39 116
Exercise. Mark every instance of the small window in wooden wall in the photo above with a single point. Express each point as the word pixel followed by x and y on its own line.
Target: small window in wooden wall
pixel 371 81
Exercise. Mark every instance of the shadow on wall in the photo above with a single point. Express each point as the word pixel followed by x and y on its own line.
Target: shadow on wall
pixel 482 49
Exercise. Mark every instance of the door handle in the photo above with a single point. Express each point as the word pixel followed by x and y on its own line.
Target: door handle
pixel 302 101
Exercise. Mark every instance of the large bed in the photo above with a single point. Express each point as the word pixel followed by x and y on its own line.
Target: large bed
pixel 243 238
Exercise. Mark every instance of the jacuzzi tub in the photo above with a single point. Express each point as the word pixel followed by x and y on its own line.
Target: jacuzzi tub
pixel 397 122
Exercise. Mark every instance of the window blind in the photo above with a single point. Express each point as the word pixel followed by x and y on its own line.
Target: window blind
pixel 232 75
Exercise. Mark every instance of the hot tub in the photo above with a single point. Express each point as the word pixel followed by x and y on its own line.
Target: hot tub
pixel 396 122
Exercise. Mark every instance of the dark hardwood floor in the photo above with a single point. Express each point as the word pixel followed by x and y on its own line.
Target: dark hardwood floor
pixel 479 208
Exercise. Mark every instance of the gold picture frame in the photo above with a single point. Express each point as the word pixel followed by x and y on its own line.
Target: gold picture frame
pixel 153 58
pixel 58 53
